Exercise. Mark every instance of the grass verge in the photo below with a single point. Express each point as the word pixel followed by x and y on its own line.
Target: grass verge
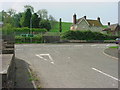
pixel 34 77
pixel 114 47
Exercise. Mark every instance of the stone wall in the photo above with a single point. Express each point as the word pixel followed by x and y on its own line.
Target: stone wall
pixel 8 71
pixel 51 39
pixel 8 62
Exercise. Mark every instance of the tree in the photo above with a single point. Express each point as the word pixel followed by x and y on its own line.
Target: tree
pixel 35 20
pixel 17 18
pixel 0 16
pixel 26 17
pixel 4 15
pixel 43 13
pixel 45 24
pixel 29 7
pixel 52 20
pixel 7 18
pixel 11 12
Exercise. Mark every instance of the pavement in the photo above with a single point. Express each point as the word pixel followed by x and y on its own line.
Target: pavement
pixel 22 78
pixel 70 65
pixel 112 52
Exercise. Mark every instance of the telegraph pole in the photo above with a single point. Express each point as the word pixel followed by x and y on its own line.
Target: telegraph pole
pixel 60 24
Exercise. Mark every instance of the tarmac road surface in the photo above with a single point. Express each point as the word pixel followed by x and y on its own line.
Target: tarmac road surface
pixel 71 65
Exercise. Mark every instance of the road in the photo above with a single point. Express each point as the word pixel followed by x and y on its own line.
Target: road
pixel 71 65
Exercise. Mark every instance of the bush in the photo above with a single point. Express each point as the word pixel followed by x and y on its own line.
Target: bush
pixel 85 35
pixel 7 29
pixel 35 39
pixel 26 30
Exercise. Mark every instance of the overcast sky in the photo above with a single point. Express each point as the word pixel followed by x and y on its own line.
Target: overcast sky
pixel 107 11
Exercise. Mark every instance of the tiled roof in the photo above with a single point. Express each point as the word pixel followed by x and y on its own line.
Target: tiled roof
pixel 92 22
pixel 113 26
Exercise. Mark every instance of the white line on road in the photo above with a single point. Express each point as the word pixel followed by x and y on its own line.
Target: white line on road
pixel 109 55
pixel 94 45
pixel 41 56
pixel 106 74
pixel 78 45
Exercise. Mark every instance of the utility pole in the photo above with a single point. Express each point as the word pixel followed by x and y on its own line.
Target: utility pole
pixel 30 26
pixel 60 25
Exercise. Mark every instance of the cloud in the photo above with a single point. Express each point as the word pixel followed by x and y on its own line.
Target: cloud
pixel 59 0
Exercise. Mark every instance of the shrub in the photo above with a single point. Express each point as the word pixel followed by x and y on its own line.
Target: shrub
pixel 26 30
pixel 35 39
pixel 85 35
pixel 7 29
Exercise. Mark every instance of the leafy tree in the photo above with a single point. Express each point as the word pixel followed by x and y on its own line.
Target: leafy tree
pixel 4 15
pixel 7 18
pixel 11 12
pixel 45 24
pixel 22 20
pixel 26 17
pixel 52 20
pixel 17 18
pixel 29 7
pixel 0 16
pixel 43 13
pixel 7 29
pixel 35 21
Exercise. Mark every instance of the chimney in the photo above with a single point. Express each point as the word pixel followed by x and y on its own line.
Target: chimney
pixel 98 19
pixel 108 23
pixel 85 17
pixel 74 19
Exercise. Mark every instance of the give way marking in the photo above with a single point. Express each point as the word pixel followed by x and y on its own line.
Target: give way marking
pixel 46 57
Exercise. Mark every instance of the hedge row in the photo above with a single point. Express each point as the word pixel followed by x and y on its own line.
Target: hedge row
pixel 34 39
pixel 86 35
pixel 26 30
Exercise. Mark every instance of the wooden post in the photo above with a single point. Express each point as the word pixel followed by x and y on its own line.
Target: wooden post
pixel 60 25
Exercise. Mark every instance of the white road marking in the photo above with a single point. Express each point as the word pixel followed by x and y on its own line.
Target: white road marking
pixel 106 74
pixel 94 45
pixel 25 45
pixel 41 56
pixel 108 45
pixel 78 45
pixel 110 55
pixel 18 49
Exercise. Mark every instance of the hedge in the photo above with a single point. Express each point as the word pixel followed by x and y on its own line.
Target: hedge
pixel 86 35
pixel 34 39
pixel 26 30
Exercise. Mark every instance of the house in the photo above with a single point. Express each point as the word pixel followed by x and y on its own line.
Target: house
pixel 86 24
pixel 113 29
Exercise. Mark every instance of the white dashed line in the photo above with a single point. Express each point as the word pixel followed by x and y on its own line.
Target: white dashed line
pixel 106 74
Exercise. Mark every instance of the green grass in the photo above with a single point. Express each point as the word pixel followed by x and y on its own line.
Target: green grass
pixel 65 27
pixel 105 26
pixel 113 47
